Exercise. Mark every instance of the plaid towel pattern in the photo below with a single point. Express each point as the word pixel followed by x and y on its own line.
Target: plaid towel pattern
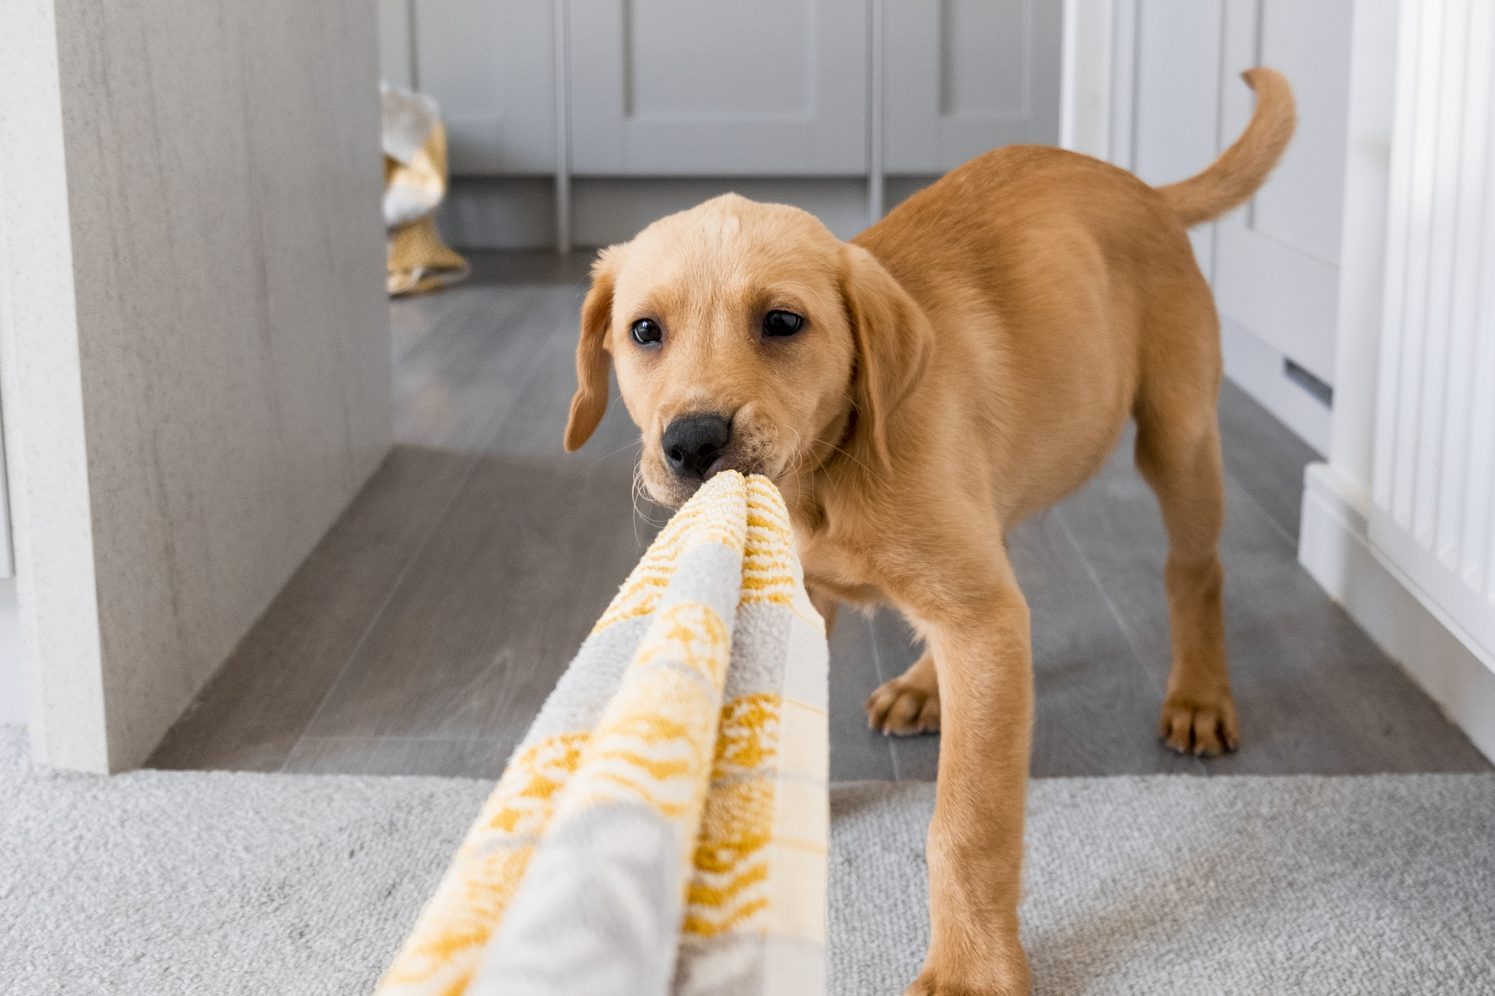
pixel 662 828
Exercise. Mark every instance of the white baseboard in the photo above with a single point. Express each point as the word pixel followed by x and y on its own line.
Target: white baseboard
pixel 519 212
pixel 12 691
pixel 1334 548
pixel 1256 368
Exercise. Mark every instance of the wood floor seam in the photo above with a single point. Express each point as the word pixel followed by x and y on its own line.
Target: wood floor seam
pixel 1289 541
pixel 1128 635
pixel 384 604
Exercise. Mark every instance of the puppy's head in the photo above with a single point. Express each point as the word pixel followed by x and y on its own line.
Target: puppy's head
pixel 745 336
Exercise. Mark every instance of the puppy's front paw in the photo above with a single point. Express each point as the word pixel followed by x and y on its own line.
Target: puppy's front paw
pixel 1201 725
pixel 904 707
pixel 932 982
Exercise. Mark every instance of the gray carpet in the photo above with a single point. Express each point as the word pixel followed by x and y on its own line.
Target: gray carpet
pixel 1351 886
pixel 160 883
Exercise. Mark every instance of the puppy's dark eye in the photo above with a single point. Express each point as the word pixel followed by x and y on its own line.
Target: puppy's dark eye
pixel 782 323
pixel 646 332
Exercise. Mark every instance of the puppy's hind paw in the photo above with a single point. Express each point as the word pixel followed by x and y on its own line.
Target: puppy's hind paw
pixel 904 708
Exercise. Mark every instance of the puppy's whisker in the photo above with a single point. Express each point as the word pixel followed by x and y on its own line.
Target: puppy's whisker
pixel 878 478
pixel 640 491
pixel 633 499
pixel 598 459
pixel 636 493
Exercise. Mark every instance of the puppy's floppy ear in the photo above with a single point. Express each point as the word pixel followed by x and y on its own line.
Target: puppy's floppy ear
pixel 893 340
pixel 589 403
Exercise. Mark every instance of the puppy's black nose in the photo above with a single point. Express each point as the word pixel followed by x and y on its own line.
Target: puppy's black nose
pixel 692 443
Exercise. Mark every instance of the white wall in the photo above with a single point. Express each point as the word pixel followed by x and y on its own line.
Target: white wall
pixel 194 342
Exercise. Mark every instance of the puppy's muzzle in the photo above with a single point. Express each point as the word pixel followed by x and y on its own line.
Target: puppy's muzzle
pixel 695 445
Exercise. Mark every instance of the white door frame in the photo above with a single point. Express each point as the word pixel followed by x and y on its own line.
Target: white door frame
pixel 1087 121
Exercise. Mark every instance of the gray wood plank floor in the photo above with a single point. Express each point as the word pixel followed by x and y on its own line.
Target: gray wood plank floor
pixel 423 633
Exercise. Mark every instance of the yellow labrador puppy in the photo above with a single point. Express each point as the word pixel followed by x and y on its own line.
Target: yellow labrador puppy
pixel 915 392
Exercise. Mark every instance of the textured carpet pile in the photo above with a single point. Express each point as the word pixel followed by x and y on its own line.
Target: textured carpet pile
pixel 159 883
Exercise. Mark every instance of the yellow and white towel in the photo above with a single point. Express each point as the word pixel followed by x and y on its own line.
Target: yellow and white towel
pixel 662 828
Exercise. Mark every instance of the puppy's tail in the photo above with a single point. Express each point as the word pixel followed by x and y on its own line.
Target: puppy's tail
pixel 1242 168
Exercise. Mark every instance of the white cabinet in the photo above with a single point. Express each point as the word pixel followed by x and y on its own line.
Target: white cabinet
pixel 1173 133
pixel 718 87
pixel 1433 482
pixel 635 105
pixel 773 88
pixel 491 67
pixel 1399 525
pixel 1274 264
pixel 965 76
pixel 1277 262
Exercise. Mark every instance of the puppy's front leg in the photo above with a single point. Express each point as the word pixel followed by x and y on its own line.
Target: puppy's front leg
pixel 824 604
pixel 982 653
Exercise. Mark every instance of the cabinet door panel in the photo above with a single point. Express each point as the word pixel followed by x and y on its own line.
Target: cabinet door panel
pixel 396 62
pixel 718 87
pixel 491 67
pixel 1175 114
pixel 1277 261
pixel 965 76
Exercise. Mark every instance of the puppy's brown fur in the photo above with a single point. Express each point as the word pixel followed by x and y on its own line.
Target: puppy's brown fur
pixel 968 360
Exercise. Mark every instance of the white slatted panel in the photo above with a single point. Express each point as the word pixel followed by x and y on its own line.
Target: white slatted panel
pixel 1434 480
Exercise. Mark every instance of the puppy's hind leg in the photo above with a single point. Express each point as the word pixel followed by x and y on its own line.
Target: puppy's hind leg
pixel 910 703
pixel 1178 452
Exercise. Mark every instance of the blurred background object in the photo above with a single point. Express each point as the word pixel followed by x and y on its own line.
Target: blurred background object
pixel 414 141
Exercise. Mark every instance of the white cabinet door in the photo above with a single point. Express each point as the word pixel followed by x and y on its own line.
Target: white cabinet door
pixel 1277 262
pixel 965 76
pixel 396 57
pixel 718 87
pixel 1173 128
pixel 490 65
